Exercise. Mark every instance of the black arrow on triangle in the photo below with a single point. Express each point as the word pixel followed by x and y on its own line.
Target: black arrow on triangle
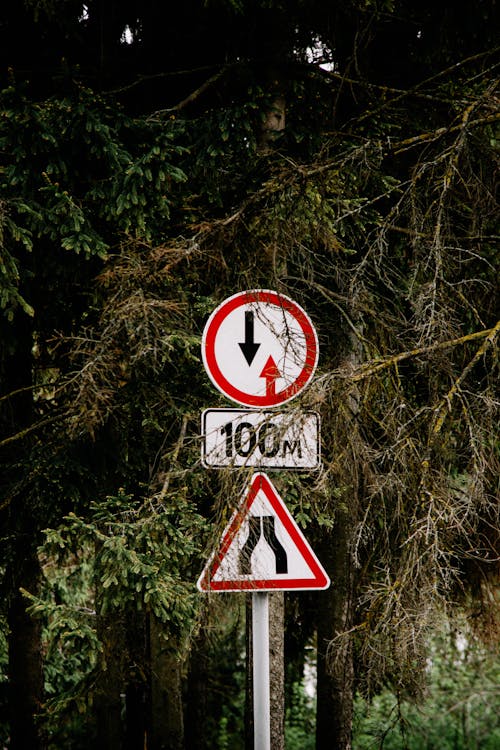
pixel 249 347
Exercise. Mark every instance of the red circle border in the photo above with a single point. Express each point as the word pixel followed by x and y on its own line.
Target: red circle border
pixel 212 367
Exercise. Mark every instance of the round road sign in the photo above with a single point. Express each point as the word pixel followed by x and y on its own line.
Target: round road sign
pixel 260 348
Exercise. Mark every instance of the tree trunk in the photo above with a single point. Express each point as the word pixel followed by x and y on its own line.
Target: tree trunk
pixel 137 691
pixel 25 660
pixel 274 122
pixel 22 524
pixel 277 668
pixel 167 725
pixel 249 674
pixel 196 737
pixel 110 684
pixel 276 673
pixel 135 712
pixel 335 671
pixel 335 667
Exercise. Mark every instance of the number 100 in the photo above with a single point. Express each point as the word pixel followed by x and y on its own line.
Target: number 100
pixel 246 438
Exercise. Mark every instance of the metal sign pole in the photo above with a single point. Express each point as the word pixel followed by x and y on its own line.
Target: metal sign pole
pixel 254 341
pixel 260 645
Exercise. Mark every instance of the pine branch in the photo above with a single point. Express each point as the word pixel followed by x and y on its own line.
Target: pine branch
pixel 370 368
pixel 445 404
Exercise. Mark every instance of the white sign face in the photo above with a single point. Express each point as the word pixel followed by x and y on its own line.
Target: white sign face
pixel 262 548
pixel 272 440
pixel 260 348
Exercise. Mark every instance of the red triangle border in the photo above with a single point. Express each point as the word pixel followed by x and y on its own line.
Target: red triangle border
pixel 320 580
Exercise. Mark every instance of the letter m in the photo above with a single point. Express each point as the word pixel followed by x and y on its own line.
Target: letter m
pixel 290 446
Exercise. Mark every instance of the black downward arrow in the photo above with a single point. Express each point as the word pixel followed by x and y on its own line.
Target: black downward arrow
pixel 249 347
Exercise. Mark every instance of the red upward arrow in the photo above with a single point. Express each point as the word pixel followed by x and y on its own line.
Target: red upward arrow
pixel 270 372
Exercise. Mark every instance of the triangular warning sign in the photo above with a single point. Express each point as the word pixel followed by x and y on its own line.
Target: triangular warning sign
pixel 262 548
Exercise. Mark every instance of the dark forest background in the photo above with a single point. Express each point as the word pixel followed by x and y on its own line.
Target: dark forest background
pixel 155 158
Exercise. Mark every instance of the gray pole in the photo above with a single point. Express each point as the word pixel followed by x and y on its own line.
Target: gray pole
pixel 260 644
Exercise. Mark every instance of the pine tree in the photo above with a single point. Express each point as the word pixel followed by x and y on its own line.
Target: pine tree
pixel 154 160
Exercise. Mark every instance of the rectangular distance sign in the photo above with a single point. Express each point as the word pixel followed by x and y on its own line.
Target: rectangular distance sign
pixel 261 439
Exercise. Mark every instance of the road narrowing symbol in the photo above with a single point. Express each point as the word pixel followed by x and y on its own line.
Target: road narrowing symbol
pixel 258 527
pixel 260 348
pixel 262 548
